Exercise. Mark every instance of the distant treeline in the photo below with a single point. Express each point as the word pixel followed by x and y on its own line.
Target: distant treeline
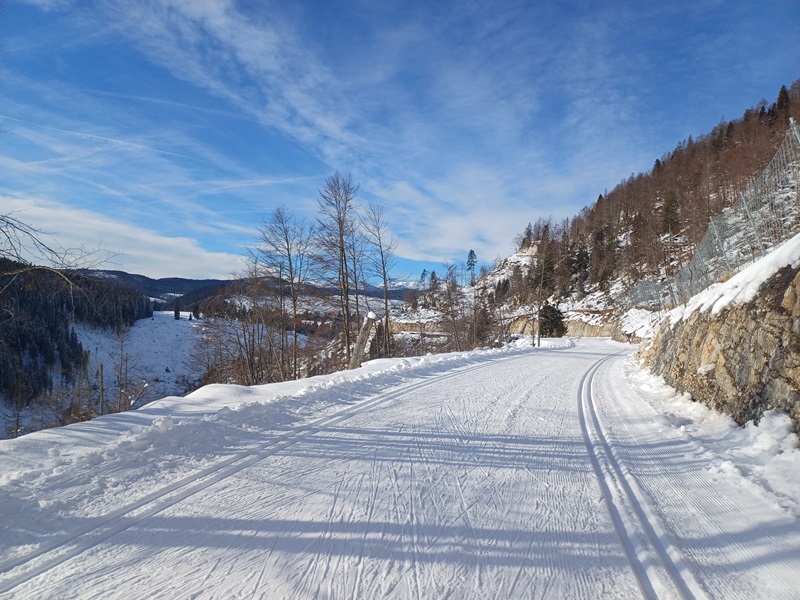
pixel 37 309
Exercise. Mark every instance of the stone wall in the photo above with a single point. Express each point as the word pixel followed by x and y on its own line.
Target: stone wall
pixel 598 324
pixel 744 360
pixel 527 326
pixel 415 326
pixel 584 329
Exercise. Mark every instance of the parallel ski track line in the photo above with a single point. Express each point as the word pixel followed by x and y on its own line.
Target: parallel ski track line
pixel 125 517
pixel 708 497
pixel 615 477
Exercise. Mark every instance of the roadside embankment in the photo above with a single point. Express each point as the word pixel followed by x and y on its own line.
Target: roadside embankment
pixel 737 351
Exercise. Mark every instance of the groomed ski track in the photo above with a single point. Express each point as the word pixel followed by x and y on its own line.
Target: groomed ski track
pixel 525 474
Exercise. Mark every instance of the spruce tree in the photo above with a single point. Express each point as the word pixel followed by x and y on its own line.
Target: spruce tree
pixel 551 321
pixel 472 260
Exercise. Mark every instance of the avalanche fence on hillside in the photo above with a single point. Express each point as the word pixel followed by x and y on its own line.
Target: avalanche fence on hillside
pixel 766 214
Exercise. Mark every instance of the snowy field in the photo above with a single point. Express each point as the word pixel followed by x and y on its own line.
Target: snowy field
pixel 155 351
pixel 559 472
pixel 155 355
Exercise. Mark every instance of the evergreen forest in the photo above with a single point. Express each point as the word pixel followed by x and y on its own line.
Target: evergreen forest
pixel 38 307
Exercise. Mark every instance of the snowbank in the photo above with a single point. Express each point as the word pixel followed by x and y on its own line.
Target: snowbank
pixel 54 448
pixel 767 454
pixel 742 287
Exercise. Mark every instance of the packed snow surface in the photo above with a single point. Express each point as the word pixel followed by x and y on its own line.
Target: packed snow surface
pixel 559 472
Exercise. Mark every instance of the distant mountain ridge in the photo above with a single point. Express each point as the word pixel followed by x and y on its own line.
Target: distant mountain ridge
pixel 165 288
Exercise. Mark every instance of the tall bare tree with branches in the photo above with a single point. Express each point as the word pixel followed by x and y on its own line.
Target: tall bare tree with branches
pixel 285 250
pixel 381 260
pixel 243 332
pixel 336 226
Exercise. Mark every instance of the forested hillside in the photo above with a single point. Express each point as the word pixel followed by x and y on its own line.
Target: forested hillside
pixel 650 223
pixel 38 306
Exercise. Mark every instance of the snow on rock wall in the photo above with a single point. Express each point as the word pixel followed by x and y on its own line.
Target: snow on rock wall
pixel 744 359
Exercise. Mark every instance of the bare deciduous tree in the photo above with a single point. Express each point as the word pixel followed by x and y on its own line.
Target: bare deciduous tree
pixel 286 253
pixel 25 249
pixel 336 227
pixel 22 243
pixel 356 256
pixel 242 333
pixel 381 261
pixel 453 305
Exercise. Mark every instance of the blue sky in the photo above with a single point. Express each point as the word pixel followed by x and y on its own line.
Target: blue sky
pixel 164 131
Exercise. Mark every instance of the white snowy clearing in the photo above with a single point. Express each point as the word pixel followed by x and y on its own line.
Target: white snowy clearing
pixel 560 472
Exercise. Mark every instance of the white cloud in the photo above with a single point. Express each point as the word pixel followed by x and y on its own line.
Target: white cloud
pixel 465 123
pixel 133 249
pixel 462 141
pixel 48 4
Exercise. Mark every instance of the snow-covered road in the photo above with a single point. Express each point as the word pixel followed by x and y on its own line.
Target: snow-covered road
pixel 514 474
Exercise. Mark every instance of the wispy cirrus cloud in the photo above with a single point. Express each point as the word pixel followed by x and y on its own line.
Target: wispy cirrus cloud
pixel 139 249
pixel 92 137
pixel 464 121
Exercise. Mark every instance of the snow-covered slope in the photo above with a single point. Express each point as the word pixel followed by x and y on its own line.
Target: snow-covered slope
pixel 154 357
pixel 743 286
pixel 156 352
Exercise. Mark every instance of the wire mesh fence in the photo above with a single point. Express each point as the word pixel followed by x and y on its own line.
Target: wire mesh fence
pixel 765 214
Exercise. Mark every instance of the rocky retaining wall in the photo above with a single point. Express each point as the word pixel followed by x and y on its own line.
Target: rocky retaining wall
pixel 600 324
pixel 605 323
pixel 527 326
pixel 744 360
pixel 415 327
pixel 584 329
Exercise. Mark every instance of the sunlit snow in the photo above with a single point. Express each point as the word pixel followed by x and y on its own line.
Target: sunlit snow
pixel 490 473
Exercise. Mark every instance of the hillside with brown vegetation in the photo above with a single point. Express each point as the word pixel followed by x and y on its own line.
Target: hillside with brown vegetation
pixel 650 223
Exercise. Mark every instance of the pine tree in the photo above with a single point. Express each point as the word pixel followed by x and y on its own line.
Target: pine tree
pixel 423 278
pixel 551 321
pixel 472 260
pixel 782 104
pixel 433 282
pixel 524 242
pixel 669 213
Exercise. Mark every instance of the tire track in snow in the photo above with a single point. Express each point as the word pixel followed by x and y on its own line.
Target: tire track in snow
pixel 57 551
pixel 628 509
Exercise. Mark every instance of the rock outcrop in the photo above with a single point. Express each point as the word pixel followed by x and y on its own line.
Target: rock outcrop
pixel 416 326
pixel 522 325
pixel 605 326
pixel 598 323
pixel 744 360
pixel 603 323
